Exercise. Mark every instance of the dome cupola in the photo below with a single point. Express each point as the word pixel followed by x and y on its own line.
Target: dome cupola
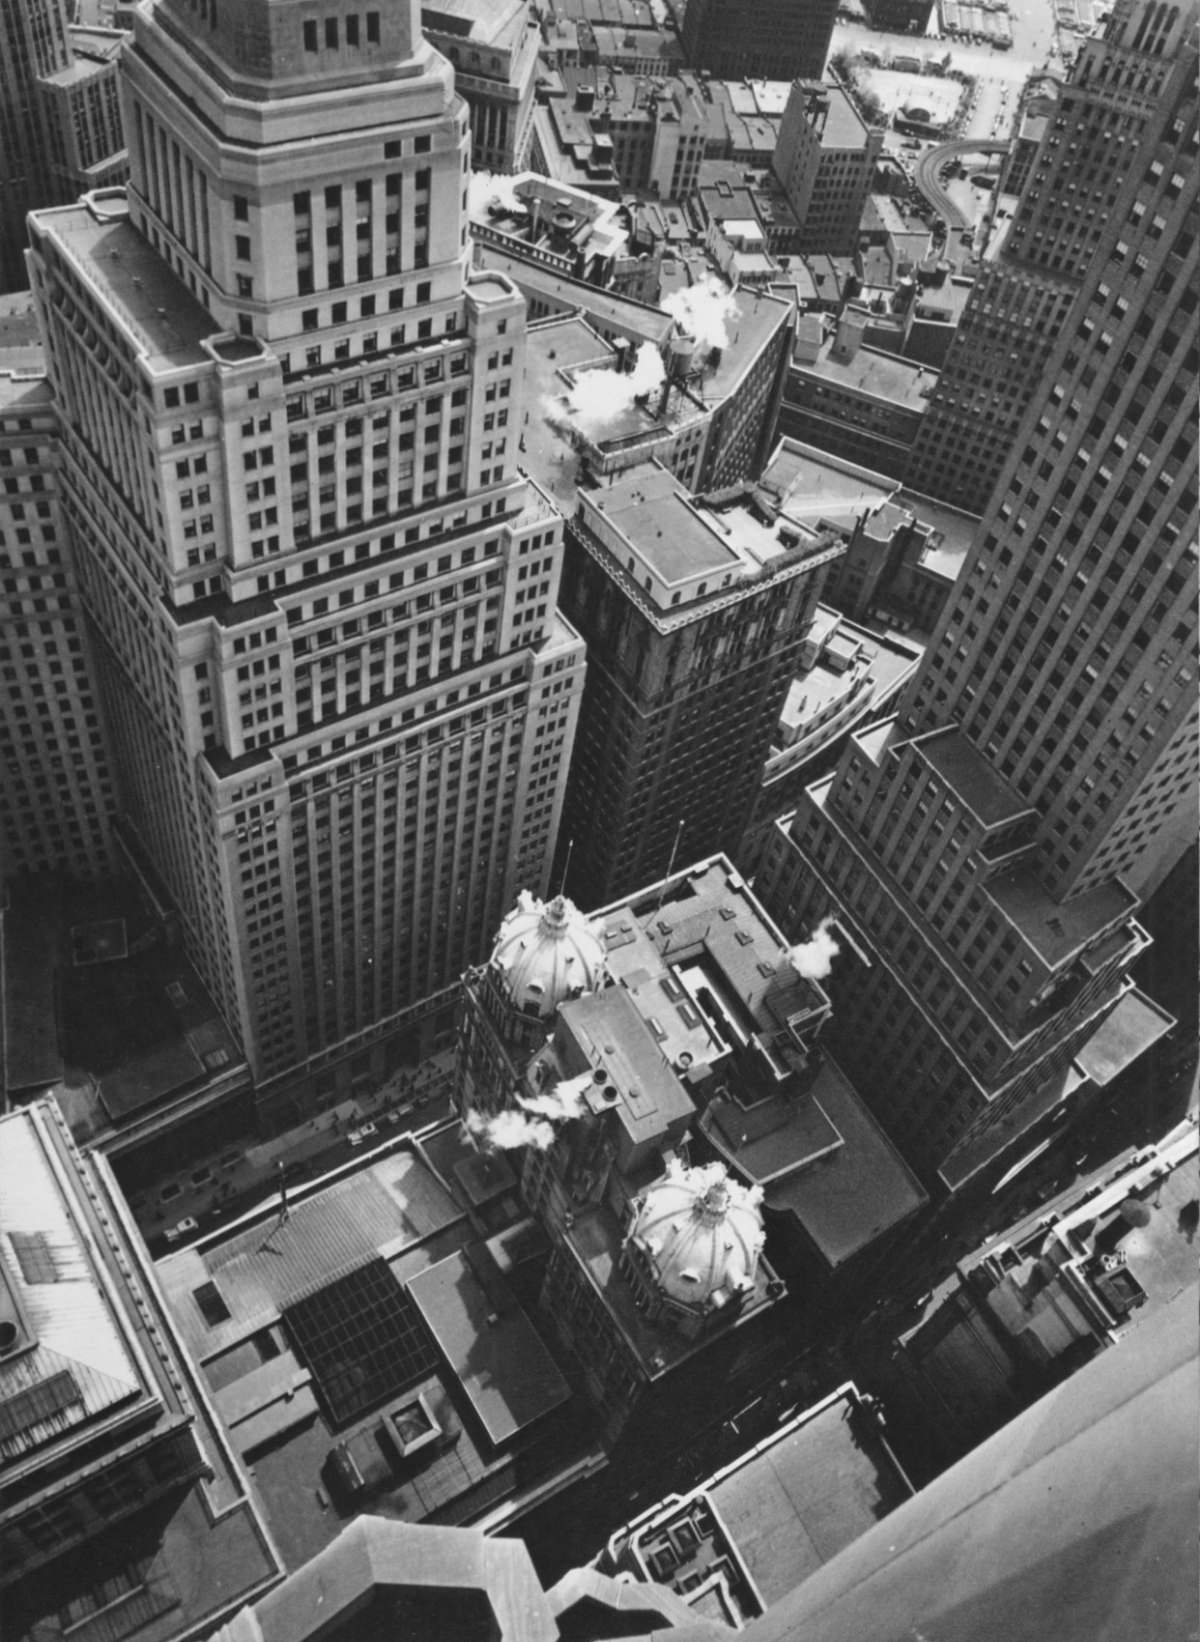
pixel 695 1237
pixel 546 952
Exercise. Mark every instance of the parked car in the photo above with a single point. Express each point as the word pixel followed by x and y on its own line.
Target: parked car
pixel 181 1229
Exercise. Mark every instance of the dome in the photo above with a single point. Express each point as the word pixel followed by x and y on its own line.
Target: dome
pixel 547 951
pixel 701 1234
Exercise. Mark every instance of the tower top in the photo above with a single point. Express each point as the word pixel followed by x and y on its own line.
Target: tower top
pixel 701 1233
pixel 276 48
pixel 547 951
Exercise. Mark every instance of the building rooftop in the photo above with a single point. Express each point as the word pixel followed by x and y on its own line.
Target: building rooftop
pixel 879 375
pixel 554 347
pixel 857 1192
pixel 366 1296
pixel 1076 1520
pixel 165 322
pixel 21 347
pixel 381 1577
pixel 612 1032
pixel 818 488
pixel 496 1354
pixel 495 23
pixel 971 777
pixel 758 1528
pixel 1056 929
pixel 105 1364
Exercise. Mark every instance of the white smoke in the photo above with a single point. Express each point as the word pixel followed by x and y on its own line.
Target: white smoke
pixel 485 188
pixel 507 1130
pixel 705 311
pixel 599 397
pixel 814 958
pixel 563 1102
pixel 533 1124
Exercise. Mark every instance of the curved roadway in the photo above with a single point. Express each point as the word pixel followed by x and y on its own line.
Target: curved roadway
pixel 925 174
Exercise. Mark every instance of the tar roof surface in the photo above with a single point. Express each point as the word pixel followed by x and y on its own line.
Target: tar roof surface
pixel 802 1499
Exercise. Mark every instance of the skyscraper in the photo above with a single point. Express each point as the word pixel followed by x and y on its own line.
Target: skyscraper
pixel 696 612
pixel 342 700
pixel 60 125
pixel 56 790
pixel 989 847
pixel 775 39
pixel 1021 299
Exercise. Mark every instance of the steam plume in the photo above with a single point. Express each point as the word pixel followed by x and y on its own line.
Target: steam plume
pixel 533 1124
pixel 511 1129
pixel 562 1102
pixel 598 397
pixel 485 188
pixel 705 311
pixel 814 958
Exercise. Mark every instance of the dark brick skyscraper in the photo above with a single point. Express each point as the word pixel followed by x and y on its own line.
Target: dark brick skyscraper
pixel 1019 301
pixel 770 39
pixel 990 846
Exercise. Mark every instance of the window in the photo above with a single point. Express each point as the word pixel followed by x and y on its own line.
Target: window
pixel 373 27
pixel 331 33
pixel 310 37
pixel 241 208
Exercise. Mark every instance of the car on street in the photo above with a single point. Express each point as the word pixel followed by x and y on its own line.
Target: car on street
pixel 181 1229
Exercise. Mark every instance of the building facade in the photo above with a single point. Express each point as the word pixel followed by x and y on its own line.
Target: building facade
pixel 60 120
pixel 991 845
pixel 494 50
pixel 1020 301
pixel 340 695
pixel 57 796
pixel 760 39
pixel 825 160
pixel 121 1504
pixel 695 617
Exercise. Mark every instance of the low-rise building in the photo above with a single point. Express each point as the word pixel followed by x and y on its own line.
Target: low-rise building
pixel 853 401
pixel 1073 1278
pixel 656 1066
pixel 742 1540
pixel 364 1341
pixel 607 131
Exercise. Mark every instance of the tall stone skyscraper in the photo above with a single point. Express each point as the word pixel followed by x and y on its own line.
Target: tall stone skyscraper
pixel 988 849
pixel 1021 299
pixel 341 699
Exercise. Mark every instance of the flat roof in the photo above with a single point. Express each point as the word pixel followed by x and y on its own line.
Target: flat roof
pixel 613 1027
pixel 1056 929
pixel 807 1495
pixel 1135 1024
pixel 813 486
pixel 860 1191
pixel 100 1325
pixel 882 375
pixel 655 514
pixel 164 320
pixel 971 778
pixel 260 1268
pixel 492 1348
pixel 553 346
